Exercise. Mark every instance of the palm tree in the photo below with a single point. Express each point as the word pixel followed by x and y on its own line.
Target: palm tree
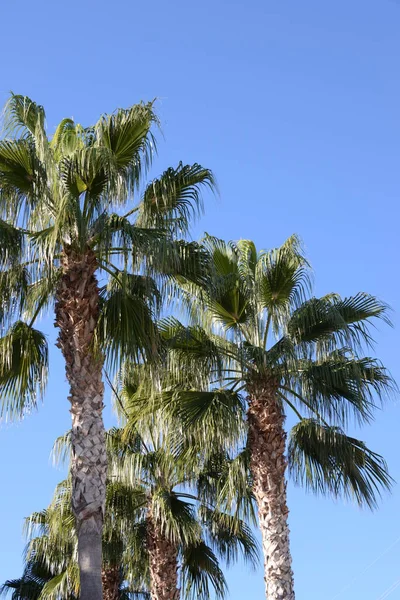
pixel 63 231
pixel 261 346
pixel 151 531
pixel 51 566
pixel 183 527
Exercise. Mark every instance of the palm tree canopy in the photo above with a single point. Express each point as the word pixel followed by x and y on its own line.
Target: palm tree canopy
pixel 255 321
pixel 82 193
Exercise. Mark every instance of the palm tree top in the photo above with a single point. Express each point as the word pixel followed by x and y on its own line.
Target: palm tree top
pixel 255 324
pixel 79 200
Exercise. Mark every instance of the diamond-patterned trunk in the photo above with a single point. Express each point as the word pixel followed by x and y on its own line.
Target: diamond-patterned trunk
pixel 77 311
pixel 267 440
pixel 163 558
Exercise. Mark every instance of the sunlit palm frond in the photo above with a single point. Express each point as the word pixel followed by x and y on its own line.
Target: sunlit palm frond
pixel 66 139
pixel 22 115
pixel 126 134
pixel 329 321
pixel 282 281
pixel 216 416
pixel 174 199
pixel 22 179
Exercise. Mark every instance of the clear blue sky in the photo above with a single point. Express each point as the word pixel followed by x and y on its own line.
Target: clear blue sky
pixel 295 106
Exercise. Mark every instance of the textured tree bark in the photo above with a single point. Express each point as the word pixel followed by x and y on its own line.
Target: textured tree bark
pixel 163 558
pixel 111 581
pixel 77 310
pixel 267 440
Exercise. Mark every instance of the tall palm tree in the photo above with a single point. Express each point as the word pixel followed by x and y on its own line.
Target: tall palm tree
pixel 66 243
pixel 262 346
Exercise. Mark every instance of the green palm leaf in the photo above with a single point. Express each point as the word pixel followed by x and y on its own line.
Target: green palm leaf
pixel 22 115
pixel 174 198
pixel 331 320
pixel 326 460
pixel 126 328
pixel 23 369
pixel 200 570
pixel 341 386
pixel 125 134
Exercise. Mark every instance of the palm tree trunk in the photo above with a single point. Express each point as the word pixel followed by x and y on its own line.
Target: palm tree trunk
pixel 77 310
pixel 163 559
pixel 267 442
pixel 111 578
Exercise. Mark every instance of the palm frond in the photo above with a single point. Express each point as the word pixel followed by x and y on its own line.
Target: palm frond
pixel 175 517
pixel 14 285
pixel 22 115
pixel 11 239
pixel 61 451
pixel 112 233
pixel 342 385
pixel 230 536
pixel 200 571
pixel 40 294
pixel 19 179
pixel 66 139
pixel 225 483
pixel 126 135
pixel 126 328
pixel 23 369
pixel 172 200
pixel 326 460
pixel 192 351
pixel 282 280
pixel 330 320
pixel 228 298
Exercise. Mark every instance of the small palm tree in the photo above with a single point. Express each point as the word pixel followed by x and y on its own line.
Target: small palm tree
pixel 261 346
pixel 183 527
pixel 153 528
pixel 62 230
pixel 51 565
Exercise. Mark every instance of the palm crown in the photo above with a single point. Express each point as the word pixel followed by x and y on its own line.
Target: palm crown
pixel 259 325
pixel 64 197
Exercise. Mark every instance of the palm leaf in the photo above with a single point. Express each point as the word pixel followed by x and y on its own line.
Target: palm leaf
pixel 342 385
pixel 21 114
pixel 331 320
pixel 200 570
pixel 282 280
pixel 230 536
pixel 126 136
pixel 324 459
pixel 23 368
pixel 175 517
pixel 173 199
pixel 126 328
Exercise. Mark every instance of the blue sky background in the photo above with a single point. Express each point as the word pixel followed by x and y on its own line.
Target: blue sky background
pixel 295 106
